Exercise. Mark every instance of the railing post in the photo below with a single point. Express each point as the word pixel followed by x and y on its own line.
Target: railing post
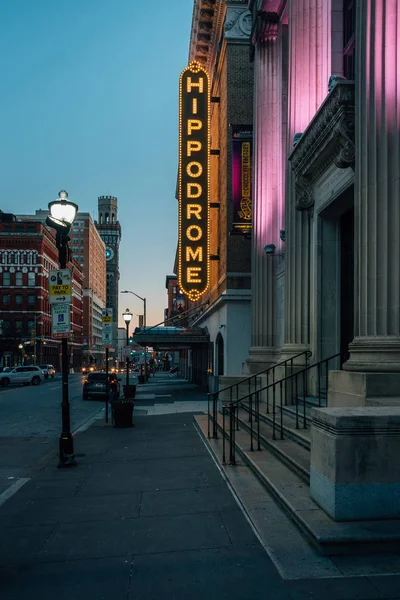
pixel 273 411
pixel 281 388
pixel 223 435
pixel 297 400
pixel 326 379
pixel 268 392
pixel 215 416
pixel 251 422
pixel 319 384
pixel 258 421
pixel 208 417
pixel 237 417
pixel 304 399
pixel 232 435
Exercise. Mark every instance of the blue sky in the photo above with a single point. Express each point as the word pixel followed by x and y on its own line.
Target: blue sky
pixel 89 103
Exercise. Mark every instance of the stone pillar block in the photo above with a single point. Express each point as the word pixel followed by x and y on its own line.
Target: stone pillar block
pixel 355 471
pixel 347 388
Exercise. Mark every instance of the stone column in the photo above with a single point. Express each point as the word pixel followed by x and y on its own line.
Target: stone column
pixel 376 345
pixel 267 193
pixel 309 62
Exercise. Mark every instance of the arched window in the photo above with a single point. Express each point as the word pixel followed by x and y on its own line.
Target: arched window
pixel 219 342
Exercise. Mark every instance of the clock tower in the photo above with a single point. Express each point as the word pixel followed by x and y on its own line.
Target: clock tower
pixel 110 231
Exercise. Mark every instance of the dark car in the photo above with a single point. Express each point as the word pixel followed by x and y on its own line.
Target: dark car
pixel 95 385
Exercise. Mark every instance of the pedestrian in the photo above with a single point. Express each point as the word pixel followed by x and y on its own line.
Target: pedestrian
pixel 152 366
pixel 113 391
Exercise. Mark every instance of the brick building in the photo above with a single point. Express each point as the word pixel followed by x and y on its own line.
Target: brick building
pixel 88 250
pixel 177 303
pixel 27 254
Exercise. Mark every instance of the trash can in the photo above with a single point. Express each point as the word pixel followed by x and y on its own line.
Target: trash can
pixel 129 391
pixel 123 413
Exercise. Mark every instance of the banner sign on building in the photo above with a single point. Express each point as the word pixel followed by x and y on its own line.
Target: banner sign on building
pixel 107 323
pixel 60 286
pixel 61 320
pixel 193 184
pixel 242 136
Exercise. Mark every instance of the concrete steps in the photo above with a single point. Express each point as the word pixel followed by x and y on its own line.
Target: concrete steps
pixel 282 469
pixel 294 455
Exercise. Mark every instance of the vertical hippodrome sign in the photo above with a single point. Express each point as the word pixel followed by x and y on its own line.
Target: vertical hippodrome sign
pixel 194 181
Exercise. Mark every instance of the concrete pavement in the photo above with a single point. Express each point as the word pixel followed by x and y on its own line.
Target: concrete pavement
pixel 145 515
pixel 30 424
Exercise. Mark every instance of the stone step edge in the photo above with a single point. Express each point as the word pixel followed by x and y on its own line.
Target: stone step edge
pixel 331 544
pixel 290 432
pixel 289 461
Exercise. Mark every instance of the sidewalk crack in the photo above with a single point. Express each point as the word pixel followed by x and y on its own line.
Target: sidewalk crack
pixel 128 593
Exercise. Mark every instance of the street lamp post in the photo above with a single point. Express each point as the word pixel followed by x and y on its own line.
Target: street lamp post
pixel 62 215
pixel 127 318
pixel 21 351
pixel 144 324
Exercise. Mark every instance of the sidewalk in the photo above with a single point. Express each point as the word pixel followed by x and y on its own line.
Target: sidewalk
pixel 145 515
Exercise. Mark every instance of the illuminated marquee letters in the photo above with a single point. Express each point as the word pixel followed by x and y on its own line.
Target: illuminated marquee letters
pixel 194 152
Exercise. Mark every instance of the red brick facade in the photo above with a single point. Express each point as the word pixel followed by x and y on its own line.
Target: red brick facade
pixel 27 254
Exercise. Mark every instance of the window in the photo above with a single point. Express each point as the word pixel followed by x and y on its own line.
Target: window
pixel 18 299
pixel 31 326
pixel 6 325
pixel 31 279
pixel 76 257
pixel 19 325
pixel 6 299
pixel 31 300
pixel 6 278
pixel 18 278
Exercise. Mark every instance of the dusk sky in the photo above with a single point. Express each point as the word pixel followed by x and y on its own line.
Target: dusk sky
pixel 89 104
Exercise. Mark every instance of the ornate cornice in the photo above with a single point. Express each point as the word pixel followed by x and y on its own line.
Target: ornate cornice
pixel 329 139
pixel 207 23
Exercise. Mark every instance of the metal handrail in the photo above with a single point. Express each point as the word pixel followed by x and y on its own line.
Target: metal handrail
pixel 254 406
pixel 267 371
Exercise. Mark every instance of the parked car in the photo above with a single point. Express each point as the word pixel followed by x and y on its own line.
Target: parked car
pixel 48 370
pixel 95 384
pixel 25 375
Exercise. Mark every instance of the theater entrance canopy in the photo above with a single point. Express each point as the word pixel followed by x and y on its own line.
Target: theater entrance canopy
pixel 171 338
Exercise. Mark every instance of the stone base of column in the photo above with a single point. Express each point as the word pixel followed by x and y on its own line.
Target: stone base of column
pixel 351 389
pixel 374 354
pixel 260 358
pixel 290 350
pixel 353 475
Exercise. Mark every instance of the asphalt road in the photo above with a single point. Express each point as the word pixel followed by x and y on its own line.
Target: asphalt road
pixel 30 424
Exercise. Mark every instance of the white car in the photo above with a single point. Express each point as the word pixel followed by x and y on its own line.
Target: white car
pixel 25 375
pixel 48 370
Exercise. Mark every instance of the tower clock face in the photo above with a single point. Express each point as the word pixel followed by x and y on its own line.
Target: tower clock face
pixel 109 253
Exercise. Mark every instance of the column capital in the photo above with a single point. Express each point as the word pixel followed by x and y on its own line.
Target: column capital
pixel 267 27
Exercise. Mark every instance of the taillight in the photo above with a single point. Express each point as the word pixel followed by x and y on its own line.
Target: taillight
pixel 86 381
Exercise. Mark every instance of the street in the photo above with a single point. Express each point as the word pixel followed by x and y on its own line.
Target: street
pixel 30 424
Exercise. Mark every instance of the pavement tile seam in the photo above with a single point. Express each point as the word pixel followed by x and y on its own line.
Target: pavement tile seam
pixel 147 490
pixel 48 561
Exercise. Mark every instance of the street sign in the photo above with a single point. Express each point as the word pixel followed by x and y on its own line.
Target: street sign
pixel 107 321
pixel 61 320
pixel 60 286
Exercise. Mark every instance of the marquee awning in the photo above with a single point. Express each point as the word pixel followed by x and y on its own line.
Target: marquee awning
pixel 164 338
